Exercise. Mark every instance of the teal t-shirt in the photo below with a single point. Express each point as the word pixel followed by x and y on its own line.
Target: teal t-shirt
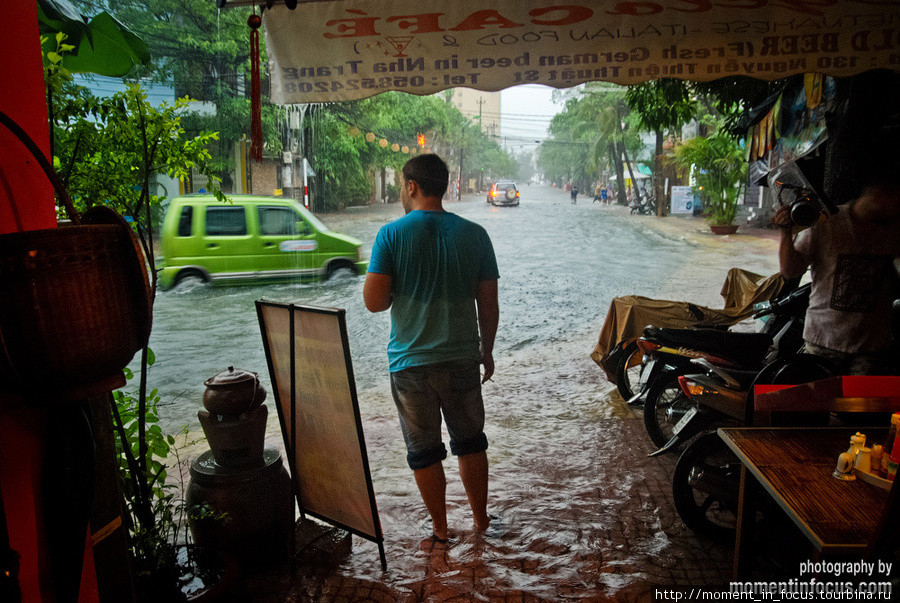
pixel 435 260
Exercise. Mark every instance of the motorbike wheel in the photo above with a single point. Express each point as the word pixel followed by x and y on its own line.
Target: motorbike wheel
pixel 792 370
pixel 628 372
pixel 705 487
pixel 664 406
pixel 799 368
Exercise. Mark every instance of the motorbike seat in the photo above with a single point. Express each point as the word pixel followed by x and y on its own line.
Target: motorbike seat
pixel 747 349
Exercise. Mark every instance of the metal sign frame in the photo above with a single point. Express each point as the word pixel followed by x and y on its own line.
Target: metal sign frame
pixel 291 409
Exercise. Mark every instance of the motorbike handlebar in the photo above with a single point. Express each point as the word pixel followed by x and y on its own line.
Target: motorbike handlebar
pixel 797 297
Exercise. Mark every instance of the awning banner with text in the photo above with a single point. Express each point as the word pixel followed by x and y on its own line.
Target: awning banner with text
pixel 344 50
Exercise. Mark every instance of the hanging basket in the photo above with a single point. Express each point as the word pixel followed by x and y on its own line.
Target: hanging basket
pixel 76 303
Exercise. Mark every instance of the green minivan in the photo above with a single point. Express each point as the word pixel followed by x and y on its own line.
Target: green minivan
pixel 251 238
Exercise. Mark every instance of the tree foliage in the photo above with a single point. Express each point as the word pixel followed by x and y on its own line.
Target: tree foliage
pixel 204 54
pixel 658 106
pixel 334 137
pixel 108 149
pixel 661 104
pixel 721 171
pixel 593 134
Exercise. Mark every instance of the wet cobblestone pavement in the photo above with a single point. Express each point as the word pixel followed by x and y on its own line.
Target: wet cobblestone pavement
pixel 633 537
pixel 585 514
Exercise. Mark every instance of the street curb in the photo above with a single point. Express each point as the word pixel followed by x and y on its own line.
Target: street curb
pixel 696 229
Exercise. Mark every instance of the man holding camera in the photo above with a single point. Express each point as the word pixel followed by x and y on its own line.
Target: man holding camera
pixel 851 258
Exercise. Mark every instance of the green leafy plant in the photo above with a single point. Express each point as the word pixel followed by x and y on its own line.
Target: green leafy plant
pixel 107 151
pixel 56 74
pixel 721 169
pixel 100 44
pixel 142 450
pixel 156 510
pixel 392 192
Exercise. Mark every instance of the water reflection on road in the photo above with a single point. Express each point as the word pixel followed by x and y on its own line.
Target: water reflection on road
pixel 584 513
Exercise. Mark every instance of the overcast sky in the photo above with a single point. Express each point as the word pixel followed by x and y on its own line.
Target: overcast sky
pixel 525 114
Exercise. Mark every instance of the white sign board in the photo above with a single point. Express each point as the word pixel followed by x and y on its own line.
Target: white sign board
pixel 682 200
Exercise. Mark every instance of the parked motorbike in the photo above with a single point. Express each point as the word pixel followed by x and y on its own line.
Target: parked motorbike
pixel 646 206
pixel 669 353
pixel 628 359
pixel 706 479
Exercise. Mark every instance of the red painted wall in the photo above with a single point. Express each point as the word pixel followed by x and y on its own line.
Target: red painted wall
pixel 26 203
pixel 26 197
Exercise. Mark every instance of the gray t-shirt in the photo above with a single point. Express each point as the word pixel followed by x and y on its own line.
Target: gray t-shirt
pixel 854 283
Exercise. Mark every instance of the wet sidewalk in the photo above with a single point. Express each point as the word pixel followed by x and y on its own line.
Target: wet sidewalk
pixel 587 515
pixel 614 532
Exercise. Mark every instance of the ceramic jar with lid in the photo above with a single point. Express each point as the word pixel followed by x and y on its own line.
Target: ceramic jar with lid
pixel 233 392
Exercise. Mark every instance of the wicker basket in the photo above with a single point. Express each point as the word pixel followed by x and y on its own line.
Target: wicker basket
pixel 75 308
pixel 75 305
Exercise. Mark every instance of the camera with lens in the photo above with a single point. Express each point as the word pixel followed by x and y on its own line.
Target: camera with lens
pixel 794 182
pixel 805 208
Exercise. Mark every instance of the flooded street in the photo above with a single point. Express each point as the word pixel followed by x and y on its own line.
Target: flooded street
pixel 584 514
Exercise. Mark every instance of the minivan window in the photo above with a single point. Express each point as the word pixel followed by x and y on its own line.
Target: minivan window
pixel 185 221
pixel 225 221
pixel 280 221
pixel 312 219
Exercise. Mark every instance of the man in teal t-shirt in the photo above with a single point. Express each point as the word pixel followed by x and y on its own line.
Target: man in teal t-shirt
pixel 438 274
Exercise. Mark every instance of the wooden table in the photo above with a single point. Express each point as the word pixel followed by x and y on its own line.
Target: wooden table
pixel 794 467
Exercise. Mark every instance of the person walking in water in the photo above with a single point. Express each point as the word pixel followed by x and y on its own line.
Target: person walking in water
pixel 574 193
pixel 437 273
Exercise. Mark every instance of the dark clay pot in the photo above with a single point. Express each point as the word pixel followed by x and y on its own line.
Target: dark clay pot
pixel 233 392
pixel 723 229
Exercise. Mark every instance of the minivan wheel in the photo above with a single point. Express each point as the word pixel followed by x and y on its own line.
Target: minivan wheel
pixel 190 273
pixel 340 265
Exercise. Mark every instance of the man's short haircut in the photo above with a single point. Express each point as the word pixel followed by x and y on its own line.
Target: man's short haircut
pixel 430 172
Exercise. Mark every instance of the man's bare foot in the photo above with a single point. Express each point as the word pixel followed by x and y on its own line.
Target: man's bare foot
pixel 495 527
pixel 483 524
pixel 444 537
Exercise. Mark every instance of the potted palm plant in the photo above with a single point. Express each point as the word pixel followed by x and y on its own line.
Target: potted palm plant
pixel 721 171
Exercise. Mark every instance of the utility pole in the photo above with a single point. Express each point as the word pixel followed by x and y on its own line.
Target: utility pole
pixel 461 175
pixel 481 102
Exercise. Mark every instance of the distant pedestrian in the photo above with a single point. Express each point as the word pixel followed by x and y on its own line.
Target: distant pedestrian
pixel 574 193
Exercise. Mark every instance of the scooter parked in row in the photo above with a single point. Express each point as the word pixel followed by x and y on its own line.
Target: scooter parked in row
pixel 629 362
pixel 706 479
pixel 669 353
